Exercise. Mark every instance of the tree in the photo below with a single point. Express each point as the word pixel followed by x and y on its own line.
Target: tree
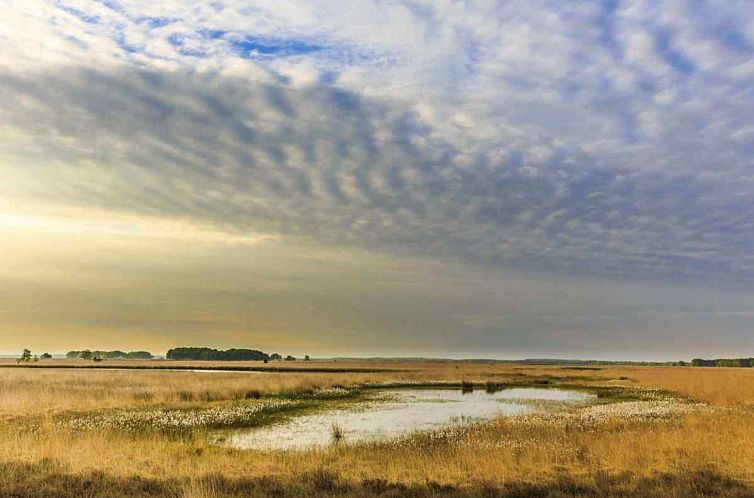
pixel 46 356
pixel 25 356
pixel 306 358
pixel 86 355
pixel 290 358
pixel 276 357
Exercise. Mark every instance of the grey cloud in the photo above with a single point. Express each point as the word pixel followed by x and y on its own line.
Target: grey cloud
pixel 334 166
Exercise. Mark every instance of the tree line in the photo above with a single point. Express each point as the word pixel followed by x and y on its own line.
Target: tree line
pixel 182 353
pixel 723 362
pixel 210 354
pixel 109 355
pixel 234 354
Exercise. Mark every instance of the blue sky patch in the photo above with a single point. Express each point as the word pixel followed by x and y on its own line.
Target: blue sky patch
pixel 110 4
pixel 253 47
pixel 120 40
pixel 82 16
pixel 664 41
pixel 155 22
pixel 213 34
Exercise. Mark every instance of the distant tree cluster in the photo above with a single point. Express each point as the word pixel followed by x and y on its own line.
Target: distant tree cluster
pixel 723 362
pixel 210 354
pixel 109 355
pixel 26 357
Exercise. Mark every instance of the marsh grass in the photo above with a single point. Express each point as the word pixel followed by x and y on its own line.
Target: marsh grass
pixel 45 480
pixel 27 391
pixel 694 453
pixel 201 487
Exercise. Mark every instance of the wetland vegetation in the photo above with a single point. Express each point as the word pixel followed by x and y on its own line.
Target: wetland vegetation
pixel 610 431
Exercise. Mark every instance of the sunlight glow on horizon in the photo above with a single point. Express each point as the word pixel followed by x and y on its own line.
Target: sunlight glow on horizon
pixel 121 225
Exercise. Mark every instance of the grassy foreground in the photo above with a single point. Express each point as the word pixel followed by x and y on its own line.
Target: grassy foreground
pixel 704 453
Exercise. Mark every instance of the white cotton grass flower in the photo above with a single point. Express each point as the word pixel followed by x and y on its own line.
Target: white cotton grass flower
pixel 234 415
pixel 172 420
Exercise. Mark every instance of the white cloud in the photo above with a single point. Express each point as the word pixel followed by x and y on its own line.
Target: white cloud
pixel 334 166
pixel 608 137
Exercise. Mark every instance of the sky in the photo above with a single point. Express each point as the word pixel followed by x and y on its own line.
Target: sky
pixel 497 179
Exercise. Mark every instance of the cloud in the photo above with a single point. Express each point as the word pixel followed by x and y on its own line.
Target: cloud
pixel 341 168
pixel 609 138
pixel 643 84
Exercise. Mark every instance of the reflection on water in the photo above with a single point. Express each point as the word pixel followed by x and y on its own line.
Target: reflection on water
pixel 395 413
pixel 162 369
pixel 210 370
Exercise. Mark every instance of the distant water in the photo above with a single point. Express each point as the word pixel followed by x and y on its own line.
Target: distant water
pixel 395 413
pixel 152 369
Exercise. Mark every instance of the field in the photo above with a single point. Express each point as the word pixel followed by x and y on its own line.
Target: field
pixel 631 448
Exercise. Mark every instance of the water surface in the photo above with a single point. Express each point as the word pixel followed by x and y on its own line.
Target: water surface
pixel 160 369
pixel 397 412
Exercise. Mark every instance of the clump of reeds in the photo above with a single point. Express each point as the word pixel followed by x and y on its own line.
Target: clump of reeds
pixel 337 433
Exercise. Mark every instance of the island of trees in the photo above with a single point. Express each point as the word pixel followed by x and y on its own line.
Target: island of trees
pixel 210 354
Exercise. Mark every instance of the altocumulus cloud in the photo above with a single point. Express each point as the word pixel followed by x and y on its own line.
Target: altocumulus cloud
pixel 343 168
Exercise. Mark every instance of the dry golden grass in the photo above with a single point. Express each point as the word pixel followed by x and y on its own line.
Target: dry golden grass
pixel 721 442
pixel 30 391
pixel 638 451
pixel 717 386
pixel 25 391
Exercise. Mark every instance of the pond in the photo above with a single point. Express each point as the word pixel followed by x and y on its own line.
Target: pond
pixel 397 412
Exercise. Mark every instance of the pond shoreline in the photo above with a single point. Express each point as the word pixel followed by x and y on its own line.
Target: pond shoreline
pixel 389 413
